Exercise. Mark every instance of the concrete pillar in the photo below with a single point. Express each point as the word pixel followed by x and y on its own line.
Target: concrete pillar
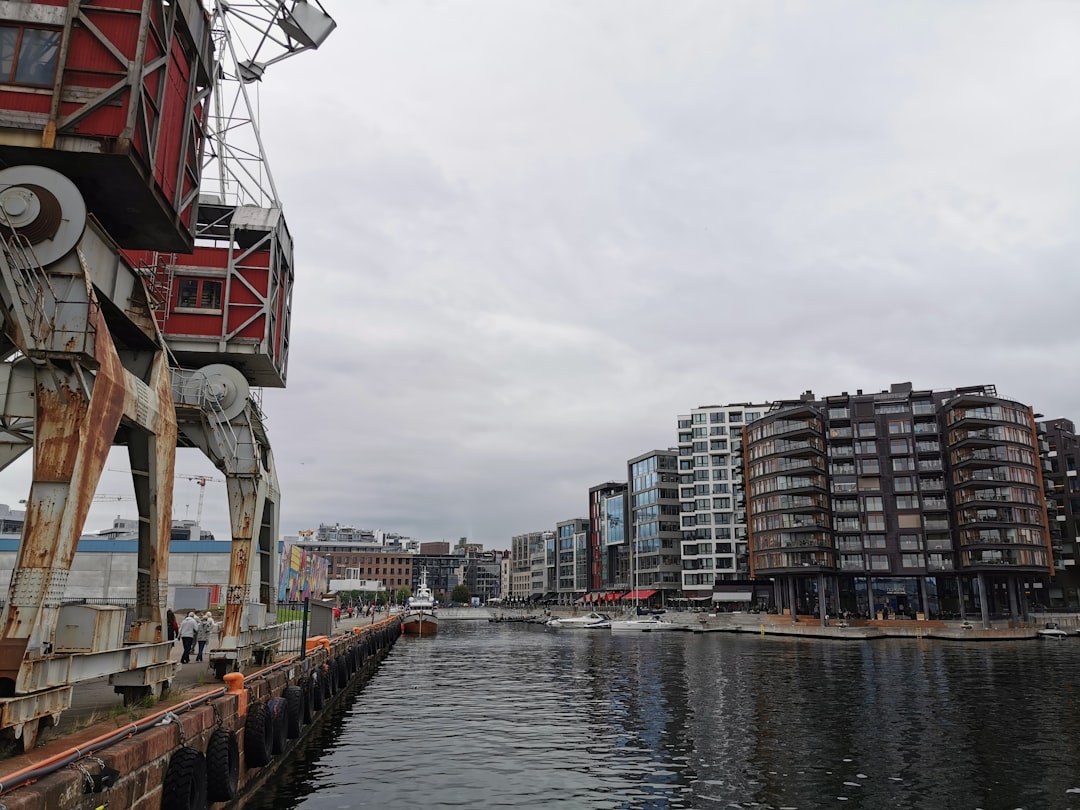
pixel 984 603
pixel 923 600
pixel 791 599
pixel 1013 585
pixel 823 608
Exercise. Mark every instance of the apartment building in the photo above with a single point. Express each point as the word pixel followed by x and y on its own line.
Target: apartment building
pixel 655 532
pixel 608 542
pixel 715 562
pixel 571 559
pixel 1061 459
pixel 909 502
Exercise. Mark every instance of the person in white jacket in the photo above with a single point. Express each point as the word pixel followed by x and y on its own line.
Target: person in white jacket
pixel 207 625
pixel 189 628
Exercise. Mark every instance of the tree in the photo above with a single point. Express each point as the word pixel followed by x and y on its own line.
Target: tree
pixel 403 595
pixel 461 593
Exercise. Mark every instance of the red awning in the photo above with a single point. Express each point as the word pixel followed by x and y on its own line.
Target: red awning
pixel 611 597
pixel 638 594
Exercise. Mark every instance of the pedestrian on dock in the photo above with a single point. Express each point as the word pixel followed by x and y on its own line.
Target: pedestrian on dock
pixel 174 628
pixel 189 628
pixel 207 625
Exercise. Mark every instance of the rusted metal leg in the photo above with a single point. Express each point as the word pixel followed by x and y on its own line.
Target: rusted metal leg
pixel 246 498
pixel 77 419
pixel 152 454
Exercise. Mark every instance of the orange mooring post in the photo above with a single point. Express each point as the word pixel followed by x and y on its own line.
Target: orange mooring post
pixel 234 684
pixel 315 642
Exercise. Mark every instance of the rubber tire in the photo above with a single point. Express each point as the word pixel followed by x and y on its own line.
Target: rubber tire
pixel 279 715
pixel 343 673
pixel 316 691
pixel 185 781
pixel 258 736
pixel 329 681
pixel 294 709
pixel 222 766
pixel 308 714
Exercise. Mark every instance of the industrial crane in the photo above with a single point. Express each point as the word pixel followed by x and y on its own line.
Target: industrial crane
pixel 201 481
pixel 138 306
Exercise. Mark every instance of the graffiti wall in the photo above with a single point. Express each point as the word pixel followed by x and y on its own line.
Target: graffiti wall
pixel 303 574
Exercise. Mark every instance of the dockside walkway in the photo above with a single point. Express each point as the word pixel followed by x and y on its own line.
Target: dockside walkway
pixel 767 624
pixel 96 709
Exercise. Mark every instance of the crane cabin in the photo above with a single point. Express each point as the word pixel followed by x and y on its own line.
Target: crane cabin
pixel 111 94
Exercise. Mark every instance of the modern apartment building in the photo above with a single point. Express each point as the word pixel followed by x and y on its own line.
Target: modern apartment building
pixel 715 561
pixel 910 502
pixel 655 533
pixel 1061 459
pixel 608 540
pixel 571 559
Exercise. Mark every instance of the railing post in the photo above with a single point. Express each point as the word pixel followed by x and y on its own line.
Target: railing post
pixel 303 630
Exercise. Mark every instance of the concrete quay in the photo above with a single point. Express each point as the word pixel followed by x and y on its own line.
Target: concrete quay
pixel 143 742
pixel 765 624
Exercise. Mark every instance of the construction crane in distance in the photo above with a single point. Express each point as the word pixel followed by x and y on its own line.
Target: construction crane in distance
pixel 202 481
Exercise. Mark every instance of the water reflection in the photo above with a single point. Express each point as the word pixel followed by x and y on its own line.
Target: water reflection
pixel 511 716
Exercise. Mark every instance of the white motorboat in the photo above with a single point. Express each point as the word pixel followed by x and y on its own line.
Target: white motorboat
pixel 642 624
pixel 1051 630
pixel 590 621
pixel 420 617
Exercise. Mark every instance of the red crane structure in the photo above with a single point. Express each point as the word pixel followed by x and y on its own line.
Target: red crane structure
pixel 145 277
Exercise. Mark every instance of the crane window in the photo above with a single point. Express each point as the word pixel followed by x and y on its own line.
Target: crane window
pixel 28 55
pixel 199 293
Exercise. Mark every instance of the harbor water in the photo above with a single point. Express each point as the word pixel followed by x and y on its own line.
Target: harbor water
pixel 519 716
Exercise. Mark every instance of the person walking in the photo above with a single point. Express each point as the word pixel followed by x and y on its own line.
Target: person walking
pixel 189 628
pixel 207 625
pixel 174 628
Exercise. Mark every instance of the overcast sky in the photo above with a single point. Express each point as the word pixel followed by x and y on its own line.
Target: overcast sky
pixel 530 234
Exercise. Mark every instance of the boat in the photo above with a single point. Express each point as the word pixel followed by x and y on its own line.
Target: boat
pixel 419 618
pixel 642 624
pixel 590 621
pixel 1051 630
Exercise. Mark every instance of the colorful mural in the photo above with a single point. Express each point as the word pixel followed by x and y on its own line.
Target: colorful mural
pixel 303 574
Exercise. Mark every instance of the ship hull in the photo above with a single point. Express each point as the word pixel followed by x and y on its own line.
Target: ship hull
pixel 420 624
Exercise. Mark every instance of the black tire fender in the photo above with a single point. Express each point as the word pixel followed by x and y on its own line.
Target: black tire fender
pixel 308 692
pixel 316 691
pixel 222 765
pixel 280 720
pixel 184 787
pixel 294 710
pixel 258 736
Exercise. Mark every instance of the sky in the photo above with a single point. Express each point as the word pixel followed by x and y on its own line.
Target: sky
pixel 529 235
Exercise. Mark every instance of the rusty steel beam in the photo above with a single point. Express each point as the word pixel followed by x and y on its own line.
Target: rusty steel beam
pixel 77 417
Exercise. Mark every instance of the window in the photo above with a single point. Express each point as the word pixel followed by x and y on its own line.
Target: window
pixel 28 55
pixel 874 523
pixel 907 501
pixel 910 542
pixel 911 560
pixel 735 417
pixel 899 446
pixel 199 293
pixel 867 429
pixel 904 484
pixel 869 484
pixel 868 465
pixel 909 521
pixel 903 464
pixel 879 562
pixel 866 448
pixel 873 541
pixel 872 504
pixel 899 426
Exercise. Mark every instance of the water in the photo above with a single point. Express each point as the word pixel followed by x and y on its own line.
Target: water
pixel 519 716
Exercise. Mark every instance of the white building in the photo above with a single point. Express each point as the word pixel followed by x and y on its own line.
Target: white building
pixel 711 498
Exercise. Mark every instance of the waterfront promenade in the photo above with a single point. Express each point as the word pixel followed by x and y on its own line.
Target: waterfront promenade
pixel 810 626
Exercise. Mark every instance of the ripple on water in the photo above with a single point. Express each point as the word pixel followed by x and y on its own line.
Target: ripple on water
pixel 514 717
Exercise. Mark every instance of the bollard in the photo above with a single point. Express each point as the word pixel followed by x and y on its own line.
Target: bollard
pixel 234 684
